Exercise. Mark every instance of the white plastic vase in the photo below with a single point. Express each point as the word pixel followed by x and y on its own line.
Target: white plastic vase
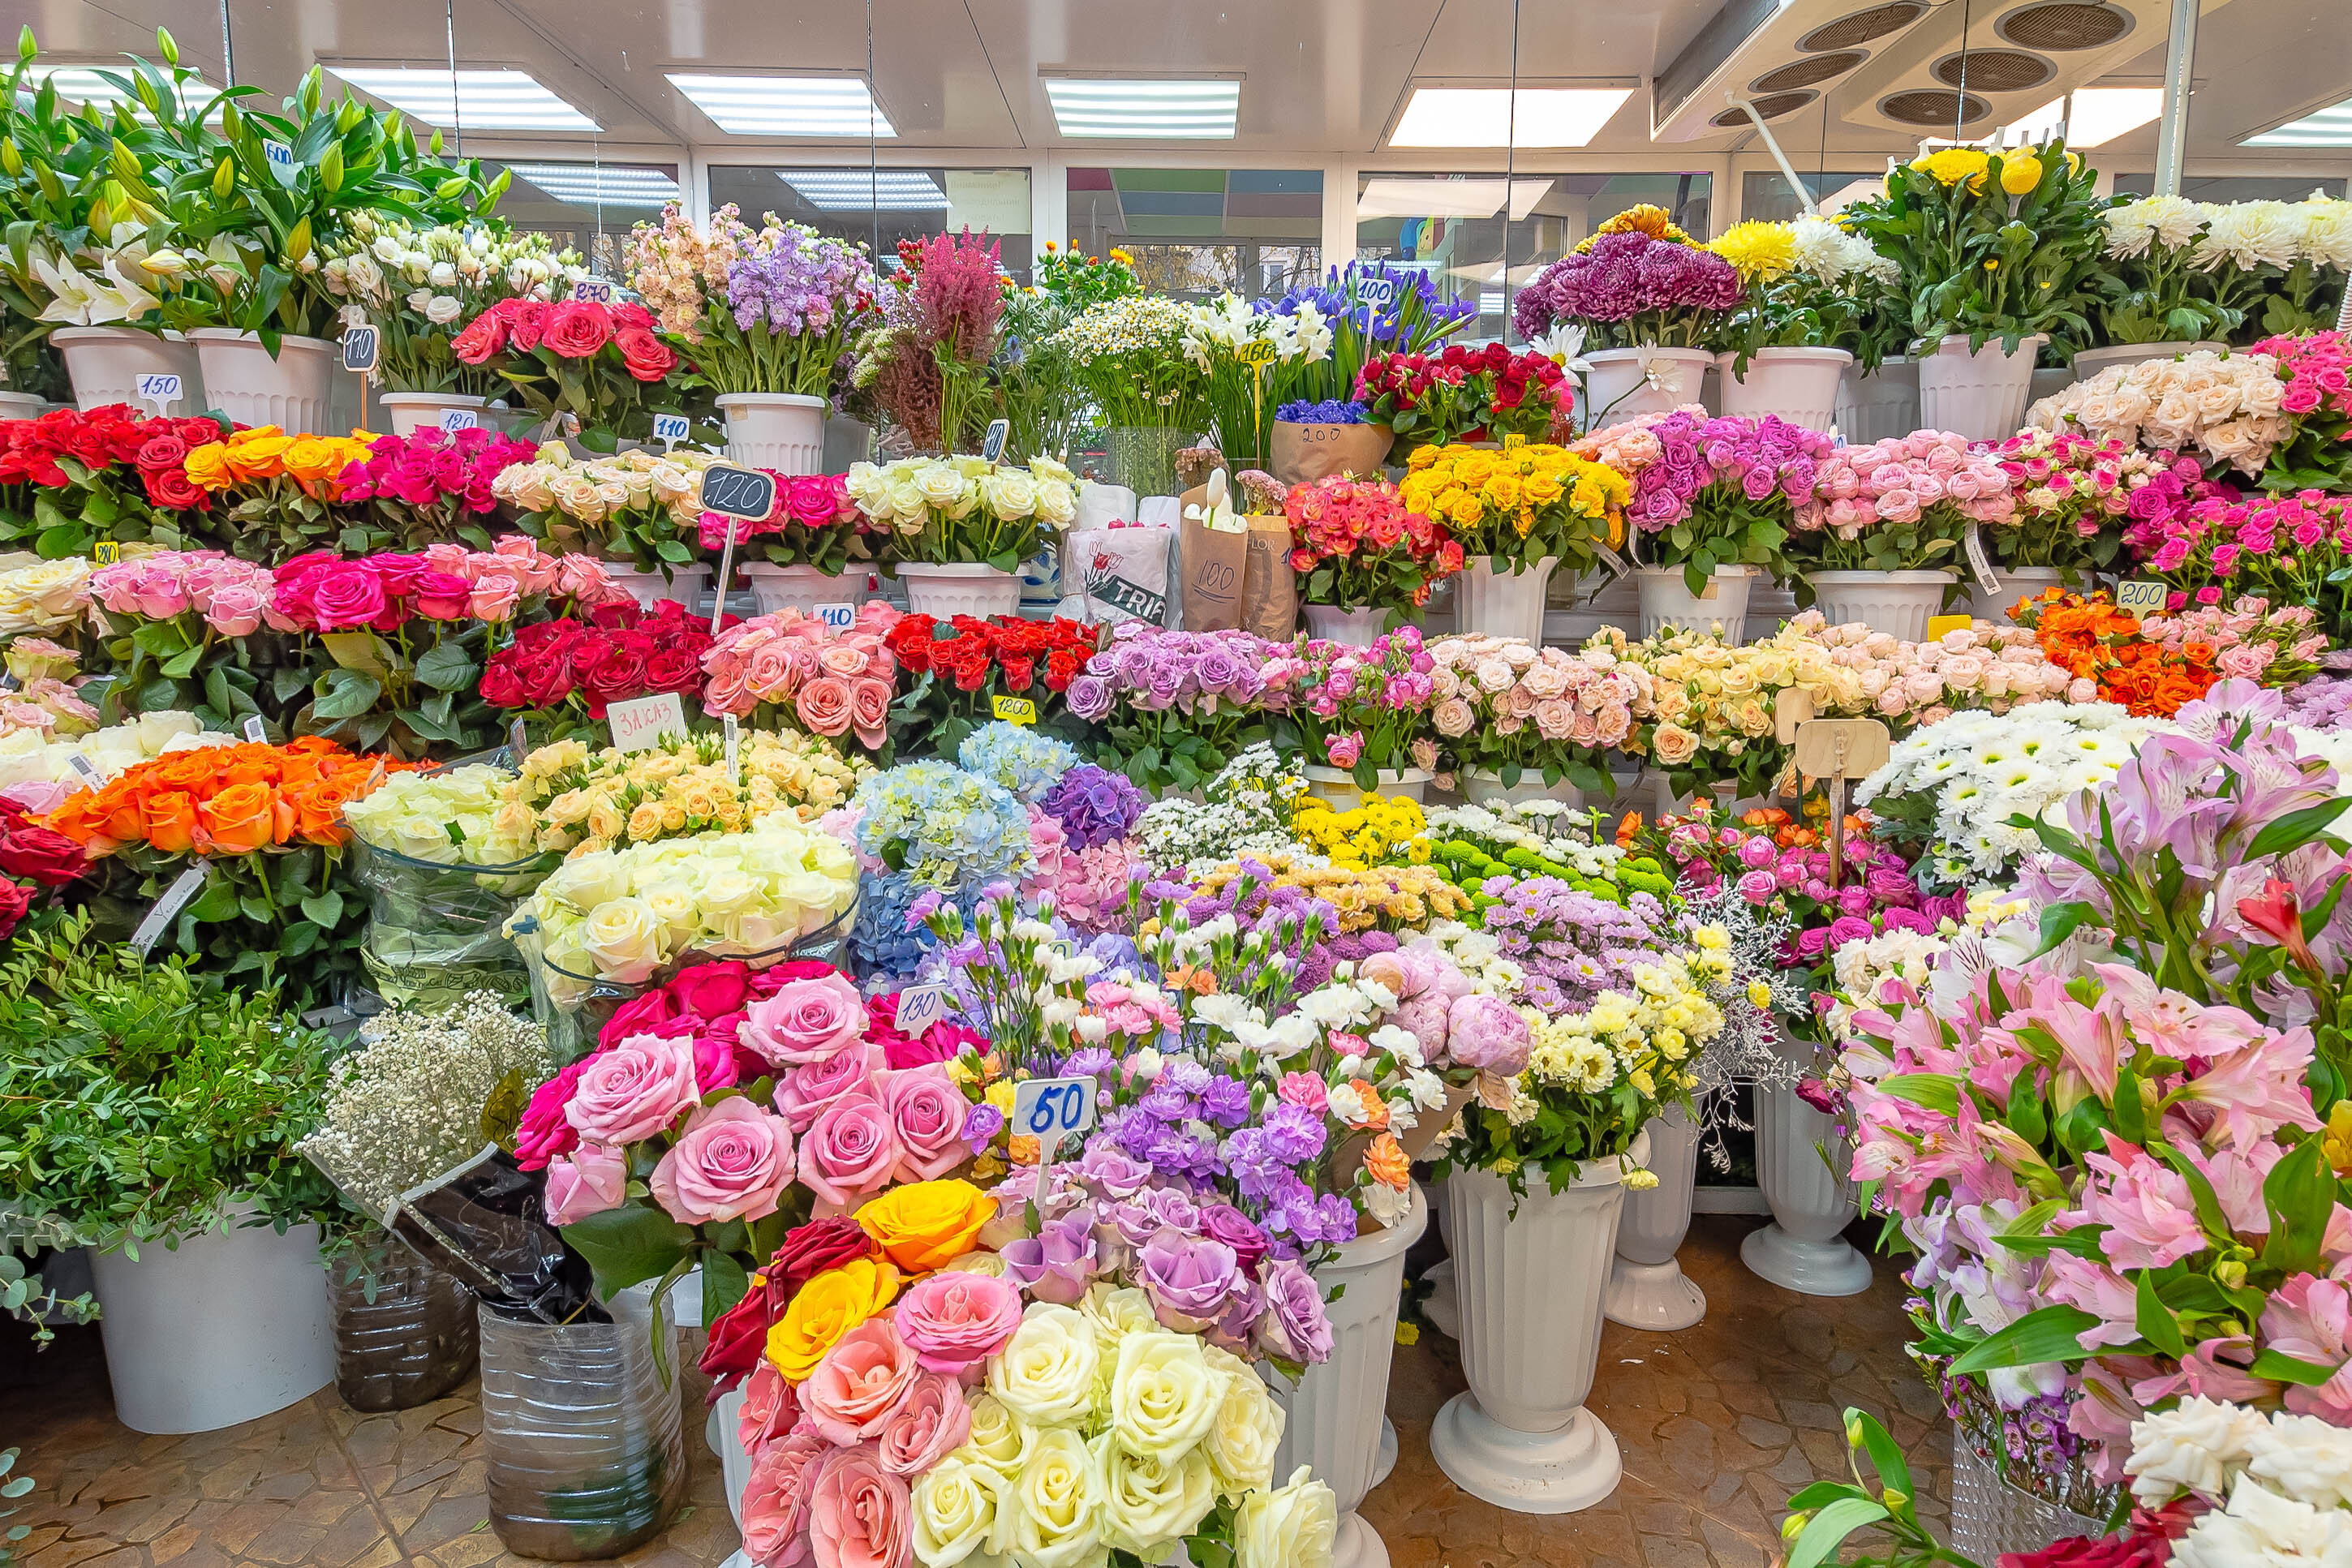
pixel 686 584
pixel 1482 787
pixel 1622 383
pixel 1335 1411
pixel 722 1431
pixel 1798 385
pixel 1880 404
pixel 1490 600
pixel 226 1327
pixel 246 383
pixel 1981 394
pixel 783 431
pixel 1647 1287
pixel 1529 1283
pixel 105 363
pixel 1357 628
pixel 1804 1248
pixel 802 588
pixel 2089 362
pixel 409 411
pixel 1667 600
pixel 1899 603
pixel 1337 785
pixel 2015 584
pixel 20 405
pixel 959 588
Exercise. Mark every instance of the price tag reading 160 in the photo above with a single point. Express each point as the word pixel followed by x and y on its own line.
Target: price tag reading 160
pixel 1051 1109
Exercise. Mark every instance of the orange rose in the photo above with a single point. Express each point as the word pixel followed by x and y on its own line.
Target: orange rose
pixel 318 812
pixel 168 821
pixel 243 818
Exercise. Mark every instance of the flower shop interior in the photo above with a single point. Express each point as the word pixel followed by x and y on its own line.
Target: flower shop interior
pixel 936 782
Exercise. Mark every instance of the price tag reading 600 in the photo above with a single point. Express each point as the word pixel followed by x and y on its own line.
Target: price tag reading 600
pixel 1051 1109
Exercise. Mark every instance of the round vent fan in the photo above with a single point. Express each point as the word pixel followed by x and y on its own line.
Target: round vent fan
pixel 2064 25
pixel 1772 108
pixel 1863 26
pixel 1994 70
pixel 1929 107
pixel 1808 72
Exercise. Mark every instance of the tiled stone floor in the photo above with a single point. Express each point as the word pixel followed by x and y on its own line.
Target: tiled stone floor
pixel 1718 1425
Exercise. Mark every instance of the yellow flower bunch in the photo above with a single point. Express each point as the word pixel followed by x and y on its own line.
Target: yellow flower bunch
pixel 1653 220
pixel 1389 898
pixel 1382 826
pixel 1950 165
pixel 264 453
pixel 1644 1036
pixel 569 797
pixel 1531 500
pixel 1760 252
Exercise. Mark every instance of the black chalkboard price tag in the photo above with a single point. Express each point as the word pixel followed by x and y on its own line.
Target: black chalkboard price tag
pixel 359 349
pixel 745 493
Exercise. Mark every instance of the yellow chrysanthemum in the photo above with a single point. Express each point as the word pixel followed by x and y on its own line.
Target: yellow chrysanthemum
pixel 1950 165
pixel 1760 252
pixel 2019 173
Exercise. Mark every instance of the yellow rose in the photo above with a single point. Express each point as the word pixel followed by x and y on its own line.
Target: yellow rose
pixel 207 466
pixel 925 1224
pixel 315 457
pixel 828 1307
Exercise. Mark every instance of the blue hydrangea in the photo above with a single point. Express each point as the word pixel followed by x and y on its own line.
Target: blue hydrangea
pixel 942 826
pixel 1018 757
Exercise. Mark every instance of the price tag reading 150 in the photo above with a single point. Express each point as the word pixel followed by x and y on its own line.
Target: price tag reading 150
pixel 1051 1109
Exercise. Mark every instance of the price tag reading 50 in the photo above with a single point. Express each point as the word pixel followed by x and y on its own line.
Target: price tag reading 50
pixel 1051 1109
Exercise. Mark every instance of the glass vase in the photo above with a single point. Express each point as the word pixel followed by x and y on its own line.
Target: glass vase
pixel 404 1330
pixel 433 931
pixel 1143 456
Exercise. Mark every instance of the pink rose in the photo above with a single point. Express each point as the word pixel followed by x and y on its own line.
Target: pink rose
pixel 634 1089
pixel 859 1514
pixel 713 990
pixel 955 1322
pixel 869 708
pixel 824 704
pixel 927 1114
pixel 850 1151
pixel 236 610
pixel 808 1021
pixel 803 1093
pixel 769 1409
pixel 544 1132
pixel 732 1162
pixel 587 1181
pixel 843 659
pixel 857 1388
pixel 494 600
pixel 443 596
pixel 929 1422
pixel 776 1501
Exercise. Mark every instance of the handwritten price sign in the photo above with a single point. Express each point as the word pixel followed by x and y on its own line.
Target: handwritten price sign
pixel 1051 1109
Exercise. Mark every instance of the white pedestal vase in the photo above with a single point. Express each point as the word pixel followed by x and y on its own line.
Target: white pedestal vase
pixel 1357 628
pixel 783 431
pixel 944 589
pixel 1802 1249
pixel 1481 788
pixel 2023 583
pixel 225 1327
pixel 1880 404
pixel 2089 362
pixel 106 362
pixel 1597 599
pixel 1667 600
pixel 1337 785
pixel 1899 603
pixel 1493 601
pixel 21 405
pixel 1623 382
pixel 1647 1287
pixel 1335 1411
pixel 1798 385
pixel 686 584
pixel 1530 1285
pixel 409 411
pixel 802 588
pixel 244 382
pixel 1976 394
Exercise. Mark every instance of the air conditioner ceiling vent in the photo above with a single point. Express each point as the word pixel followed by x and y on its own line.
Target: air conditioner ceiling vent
pixel 1861 26
pixel 1811 71
pixel 2064 25
pixel 1994 70
pixel 1771 107
pixel 1930 108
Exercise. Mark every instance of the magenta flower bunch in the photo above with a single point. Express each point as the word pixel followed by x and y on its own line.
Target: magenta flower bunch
pixel 1632 289
pixel 431 485
pixel 1904 503
pixel 1361 708
pixel 2317 402
pixel 2290 550
pixel 2079 501
pixel 1717 492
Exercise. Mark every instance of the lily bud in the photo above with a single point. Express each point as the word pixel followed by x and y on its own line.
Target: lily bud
pixel 1895 1500
pixel 11 160
pixel 1795 1525
pixel 1854 1429
pixel 26 48
pixel 330 166
pixel 166 263
pixel 167 47
pixel 225 179
pixel 298 243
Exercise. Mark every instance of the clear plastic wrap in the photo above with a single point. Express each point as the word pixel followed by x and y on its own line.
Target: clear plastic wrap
pixel 433 929
pixel 404 1330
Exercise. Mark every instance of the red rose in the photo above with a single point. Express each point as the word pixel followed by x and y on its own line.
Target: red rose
pixel 649 357
pixel 1019 671
pixel 172 487
pixel 1062 667
pixel 526 322
pixel 483 336
pixel 676 668
pixel 617 676
pixel 501 685
pixel 162 452
pixel 737 1338
pixel 576 329
pixel 16 898
pixel 49 858
pixel 809 1251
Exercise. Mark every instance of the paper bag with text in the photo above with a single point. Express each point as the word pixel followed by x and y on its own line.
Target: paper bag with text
pixel 1269 590
pixel 1213 543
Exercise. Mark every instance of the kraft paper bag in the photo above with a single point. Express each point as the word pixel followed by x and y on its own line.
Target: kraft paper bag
pixel 1269 588
pixel 1214 547
pixel 1306 453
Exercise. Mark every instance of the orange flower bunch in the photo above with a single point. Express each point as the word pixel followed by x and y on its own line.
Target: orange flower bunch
pixel 2093 641
pixel 265 452
pixel 225 799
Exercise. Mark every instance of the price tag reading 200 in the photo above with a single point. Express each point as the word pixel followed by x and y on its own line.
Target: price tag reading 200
pixel 1051 1109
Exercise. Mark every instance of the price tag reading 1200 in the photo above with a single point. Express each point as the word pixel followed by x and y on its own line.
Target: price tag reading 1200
pixel 1051 1109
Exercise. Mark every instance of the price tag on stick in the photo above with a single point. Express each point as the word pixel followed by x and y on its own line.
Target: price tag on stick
pixel 1050 1110
pixel 744 495
pixel 670 429
pixel 840 616
pixel 167 908
pixel 454 420
pixel 255 731
pixel 734 769
pixel 2142 596
pixel 360 350
pixel 594 290
pixel 992 446
pixel 159 391
pixel 1840 750
pixel 920 1007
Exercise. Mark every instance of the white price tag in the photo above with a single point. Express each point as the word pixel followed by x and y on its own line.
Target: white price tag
pixel 670 429
pixel 840 617
pixel 642 723
pixel 159 391
pixel 167 908
pixel 86 769
pixel 2142 596
pixel 920 1007
pixel 734 769
pixel 280 156
pixel 594 290
pixel 1051 1109
pixel 1979 563
pixel 254 731
pixel 1378 293
pixel 454 420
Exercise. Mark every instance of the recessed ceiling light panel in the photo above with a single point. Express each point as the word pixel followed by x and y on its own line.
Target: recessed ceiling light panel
pixel 1487 116
pixel 592 185
pixel 785 106
pixel 2329 127
pixel 88 84
pixel 861 190
pixel 1157 109
pixel 473 98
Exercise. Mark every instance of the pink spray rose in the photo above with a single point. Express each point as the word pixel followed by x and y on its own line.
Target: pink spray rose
pixel 860 1515
pixel 808 1020
pixel 732 1162
pixel 634 1089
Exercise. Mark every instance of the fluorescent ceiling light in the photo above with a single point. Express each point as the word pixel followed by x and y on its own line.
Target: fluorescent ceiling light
pixel 1189 110
pixel 785 106
pixel 1484 116
pixel 1410 196
pixel 84 84
pixel 590 185
pixel 860 191
pixel 476 99
pixel 2329 127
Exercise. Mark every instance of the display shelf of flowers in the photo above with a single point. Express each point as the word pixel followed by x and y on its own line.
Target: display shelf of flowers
pixel 1803 290
pixel 1889 522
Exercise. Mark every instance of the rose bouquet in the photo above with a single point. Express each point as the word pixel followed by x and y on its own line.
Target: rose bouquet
pixel 598 367
pixel 814 523
pixel 1631 287
pixel 1713 702
pixel 569 669
pixel 1901 505
pixel 1513 710
pixel 1460 394
pixel 428 488
pixel 72 477
pixel 571 800
pixel 1174 706
pixel 178 627
pixel 952 509
pixel 2096 643
pixel 959 678
pixel 42 699
pixel 830 682
pixel 640 509
pixel 263 827
pixel 2285 548
pixel 1357 545
pixel 2248 641
pixel 1519 505
pixel 2227 409
pixel 773 308
pixel 1994 668
pixel 2316 372
pixel 414 286
pixel 1719 492
pixel 2078 500
pixel 271 493
pixel 1361 709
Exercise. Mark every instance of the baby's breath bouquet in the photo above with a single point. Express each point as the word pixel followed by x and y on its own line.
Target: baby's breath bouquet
pixel 1129 355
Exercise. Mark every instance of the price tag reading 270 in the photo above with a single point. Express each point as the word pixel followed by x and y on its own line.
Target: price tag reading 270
pixel 1052 1109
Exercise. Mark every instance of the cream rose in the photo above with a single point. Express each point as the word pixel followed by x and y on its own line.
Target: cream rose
pixel 1673 745
pixel 625 937
pixel 1150 1503
pixel 1243 1441
pixel 1164 1395
pixel 997 1438
pixel 1045 1375
pixel 1057 1503
pixel 956 1512
pixel 1295 1526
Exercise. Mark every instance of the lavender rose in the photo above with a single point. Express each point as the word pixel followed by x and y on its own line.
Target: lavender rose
pixel 1294 1326
pixel 1055 1265
pixel 1190 1281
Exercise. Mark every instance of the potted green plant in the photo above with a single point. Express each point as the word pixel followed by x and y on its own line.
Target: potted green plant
pixel 2151 299
pixel 1781 343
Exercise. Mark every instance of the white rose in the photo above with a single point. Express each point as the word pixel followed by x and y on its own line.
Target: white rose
pixel 1294 1527
pixel 1151 1502
pixel 1247 1433
pixel 2262 1527
pixel 625 937
pixel 999 1439
pixel 1165 1396
pixel 2303 1457
pixel 955 1511
pixel 1010 494
pixel 1115 1315
pixel 1045 1375
pixel 2201 1445
pixel 155 730
pixel 1056 1501
pixel 442 309
pixel 673 904
pixel 1058 504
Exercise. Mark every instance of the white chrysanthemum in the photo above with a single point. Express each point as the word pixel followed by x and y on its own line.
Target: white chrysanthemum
pixel 2250 235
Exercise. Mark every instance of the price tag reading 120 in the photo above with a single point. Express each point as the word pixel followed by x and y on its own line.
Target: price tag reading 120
pixel 1051 1109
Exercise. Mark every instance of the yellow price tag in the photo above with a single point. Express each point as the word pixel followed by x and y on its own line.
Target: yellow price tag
pixel 1014 710
pixel 1254 354
pixel 1511 440
pixel 106 552
pixel 1940 625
